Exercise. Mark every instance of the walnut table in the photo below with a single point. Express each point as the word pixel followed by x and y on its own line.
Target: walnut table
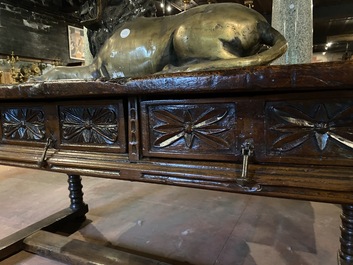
pixel 280 131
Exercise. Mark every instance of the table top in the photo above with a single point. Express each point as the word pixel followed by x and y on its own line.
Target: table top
pixel 260 79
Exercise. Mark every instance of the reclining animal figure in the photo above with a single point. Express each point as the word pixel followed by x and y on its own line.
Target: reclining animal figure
pixel 207 37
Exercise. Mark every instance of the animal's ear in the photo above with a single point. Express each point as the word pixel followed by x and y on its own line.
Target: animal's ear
pixel 266 33
pixel 233 46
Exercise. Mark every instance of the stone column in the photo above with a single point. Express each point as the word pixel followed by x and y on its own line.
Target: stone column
pixel 294 19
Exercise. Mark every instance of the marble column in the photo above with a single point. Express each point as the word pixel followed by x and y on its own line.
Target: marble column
pixel 294 19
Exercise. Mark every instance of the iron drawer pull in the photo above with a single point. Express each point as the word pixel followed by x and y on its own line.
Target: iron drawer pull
pixel 245 181
pixel 43 158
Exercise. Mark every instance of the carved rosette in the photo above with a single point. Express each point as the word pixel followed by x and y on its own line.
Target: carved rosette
pixel 311 126
pixel 89 125
pixel 189 128
pixel 23 124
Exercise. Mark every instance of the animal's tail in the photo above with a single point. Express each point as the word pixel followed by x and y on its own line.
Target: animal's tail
pixel 278 48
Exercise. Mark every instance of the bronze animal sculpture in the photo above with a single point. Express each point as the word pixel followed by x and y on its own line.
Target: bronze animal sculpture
pixel 207 37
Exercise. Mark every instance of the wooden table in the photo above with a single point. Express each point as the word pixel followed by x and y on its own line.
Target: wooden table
pixel 279 131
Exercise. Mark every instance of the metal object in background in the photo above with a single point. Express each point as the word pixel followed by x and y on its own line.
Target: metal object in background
pixel 249 3
pixel 23 72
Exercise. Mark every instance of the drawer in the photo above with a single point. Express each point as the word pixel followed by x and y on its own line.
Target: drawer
pixel 197 129
pixel 293 131
pixel 75 125
pixel 307 132
pixel 93 125
pixel 26 124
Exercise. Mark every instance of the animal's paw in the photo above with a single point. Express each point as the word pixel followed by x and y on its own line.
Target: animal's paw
pixel 33 79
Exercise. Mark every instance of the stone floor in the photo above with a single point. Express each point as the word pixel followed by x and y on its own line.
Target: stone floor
pixel 179 225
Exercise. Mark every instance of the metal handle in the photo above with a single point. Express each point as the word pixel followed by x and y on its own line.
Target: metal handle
pixel 245 181
pixel 246 151
pixel 49 143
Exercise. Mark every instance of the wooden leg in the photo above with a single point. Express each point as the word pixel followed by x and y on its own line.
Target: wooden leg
pixel 76 197
pixel 345 254
pixel 78 207
pixel 76 194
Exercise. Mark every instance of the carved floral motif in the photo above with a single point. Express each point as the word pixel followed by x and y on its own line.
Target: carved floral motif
pixel 23 124
pixel 97 125
pixel 297 127
pixel 205 127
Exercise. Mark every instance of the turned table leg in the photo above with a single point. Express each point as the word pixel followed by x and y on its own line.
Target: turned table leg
pixel 345 254
pixel 76 195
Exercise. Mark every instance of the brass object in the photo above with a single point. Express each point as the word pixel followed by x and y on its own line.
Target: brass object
pixel 15 72
pixel 23 73
pixel 13 59
pixel 245 181
pixel 207 37
pixel 246 151
pixel 249 3
pixel 56 62
pixel 186 3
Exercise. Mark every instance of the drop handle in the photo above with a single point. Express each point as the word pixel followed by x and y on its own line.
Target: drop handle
pixel 49 143
pixel 245 181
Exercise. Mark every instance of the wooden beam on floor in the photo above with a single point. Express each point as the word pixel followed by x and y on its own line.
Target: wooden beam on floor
pixel 13 243
pixel 73 251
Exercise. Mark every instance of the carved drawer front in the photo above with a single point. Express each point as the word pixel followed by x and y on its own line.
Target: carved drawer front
pixel 307 132
pixel 23 124
pixel 89 124
pixel 199 129
pixel 93 125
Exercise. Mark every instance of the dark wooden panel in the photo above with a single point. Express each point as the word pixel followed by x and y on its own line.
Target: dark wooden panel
pixel 38 5
pixel 317 131
pixel 32 35
pixel 92 124
pixel 24 124
pixel 199 129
